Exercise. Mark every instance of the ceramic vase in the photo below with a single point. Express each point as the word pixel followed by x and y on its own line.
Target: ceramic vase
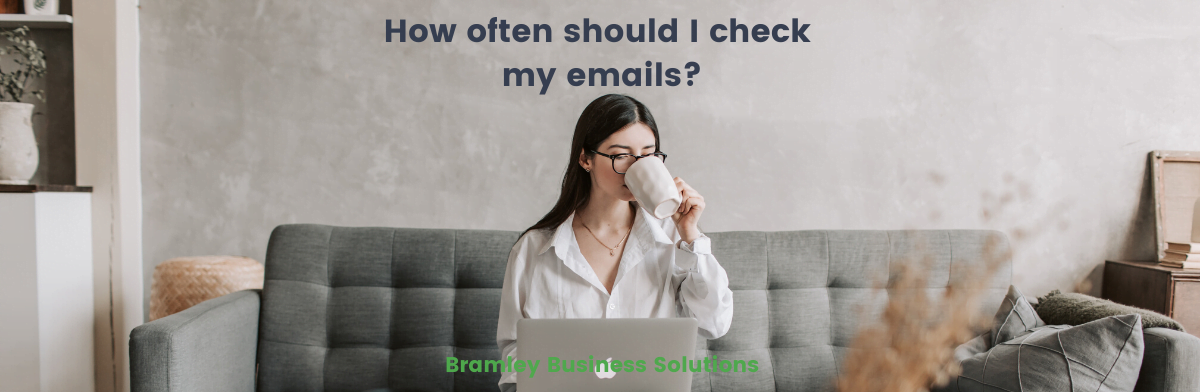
pixel 41 7
pixel 18 147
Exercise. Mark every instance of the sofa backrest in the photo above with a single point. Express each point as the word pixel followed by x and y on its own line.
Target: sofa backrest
pixel 356 308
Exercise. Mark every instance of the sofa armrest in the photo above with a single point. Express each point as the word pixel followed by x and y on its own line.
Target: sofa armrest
pixel 1169 362
pixel 212 346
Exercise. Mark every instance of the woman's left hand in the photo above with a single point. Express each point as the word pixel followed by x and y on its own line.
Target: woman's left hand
pixel 687 217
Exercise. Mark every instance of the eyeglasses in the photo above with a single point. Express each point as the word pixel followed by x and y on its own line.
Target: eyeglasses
pixel 622 162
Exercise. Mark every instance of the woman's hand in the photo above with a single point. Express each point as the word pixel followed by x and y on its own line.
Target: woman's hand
pixel 687 217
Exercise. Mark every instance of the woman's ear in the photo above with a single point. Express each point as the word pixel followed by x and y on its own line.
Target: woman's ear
pixel 584 161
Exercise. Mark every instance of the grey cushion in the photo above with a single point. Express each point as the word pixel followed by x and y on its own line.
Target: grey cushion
pixel 1014 317
pixel 1103 355
pixel 352 309
pixel 974 346
pixel 801 295
pixel 1074 309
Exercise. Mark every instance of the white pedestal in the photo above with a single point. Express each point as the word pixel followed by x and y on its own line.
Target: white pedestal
pixel 46 308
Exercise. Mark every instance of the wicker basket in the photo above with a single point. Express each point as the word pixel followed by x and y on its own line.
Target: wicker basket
pixel 182 282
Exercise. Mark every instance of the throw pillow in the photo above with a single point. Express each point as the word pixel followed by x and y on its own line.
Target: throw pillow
pixel 1075 309
pixel 1102 355
pixel 1015 317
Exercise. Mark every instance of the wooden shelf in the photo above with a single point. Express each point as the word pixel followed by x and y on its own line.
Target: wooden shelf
pixel 34 188
pixel 9 21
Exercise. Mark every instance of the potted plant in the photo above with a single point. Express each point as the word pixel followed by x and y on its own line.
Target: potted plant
pixel 18 147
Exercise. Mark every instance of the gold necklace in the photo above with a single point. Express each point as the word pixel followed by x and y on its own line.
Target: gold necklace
pixel 611 249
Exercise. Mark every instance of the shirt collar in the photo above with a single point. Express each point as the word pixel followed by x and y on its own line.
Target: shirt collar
pixel 643 224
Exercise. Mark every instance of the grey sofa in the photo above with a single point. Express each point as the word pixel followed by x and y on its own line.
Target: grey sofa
pixel 352 309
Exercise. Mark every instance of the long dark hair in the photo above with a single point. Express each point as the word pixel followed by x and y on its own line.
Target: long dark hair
pixel 603 117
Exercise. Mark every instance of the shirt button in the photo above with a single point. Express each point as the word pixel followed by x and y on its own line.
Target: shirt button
pixel 612 306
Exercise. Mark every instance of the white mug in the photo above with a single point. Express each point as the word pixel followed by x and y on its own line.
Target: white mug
pixel 653 187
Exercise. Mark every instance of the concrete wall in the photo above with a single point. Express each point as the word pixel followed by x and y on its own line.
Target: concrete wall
pixel 1029 117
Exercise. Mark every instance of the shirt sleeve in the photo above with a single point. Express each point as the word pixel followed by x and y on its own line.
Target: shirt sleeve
pixel 512 299
pixel 703 287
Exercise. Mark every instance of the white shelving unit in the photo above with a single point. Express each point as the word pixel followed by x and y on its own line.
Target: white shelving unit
pixel 46 296
pixel 9 21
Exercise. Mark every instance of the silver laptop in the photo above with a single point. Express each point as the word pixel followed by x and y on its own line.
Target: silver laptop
pixel 635 346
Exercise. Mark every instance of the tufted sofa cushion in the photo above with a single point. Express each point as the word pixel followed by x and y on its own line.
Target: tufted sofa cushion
pixel 799 296
pixel 350 309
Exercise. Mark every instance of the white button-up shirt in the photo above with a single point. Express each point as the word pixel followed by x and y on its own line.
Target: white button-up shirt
pixel 659 276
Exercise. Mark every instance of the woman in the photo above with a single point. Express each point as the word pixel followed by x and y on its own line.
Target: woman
pixel 597 254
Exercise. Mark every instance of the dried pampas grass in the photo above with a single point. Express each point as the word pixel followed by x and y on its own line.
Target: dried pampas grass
pixel 909 346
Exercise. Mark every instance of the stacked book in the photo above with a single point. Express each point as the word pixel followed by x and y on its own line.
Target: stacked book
pixel 1181 255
